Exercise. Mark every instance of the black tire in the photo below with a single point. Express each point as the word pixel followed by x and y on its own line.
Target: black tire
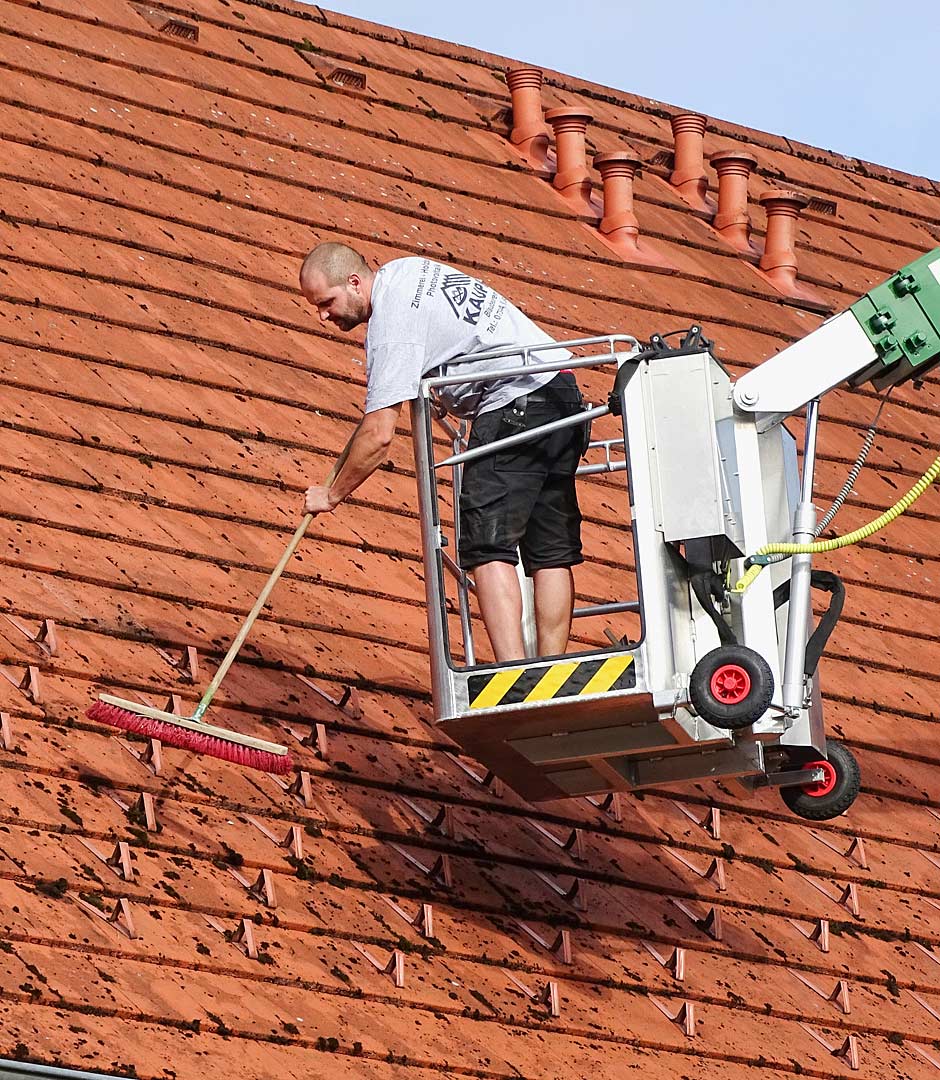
pixel 845 786
pixel 738 709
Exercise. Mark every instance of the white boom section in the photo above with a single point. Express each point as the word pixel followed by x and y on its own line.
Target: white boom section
pixel 784 383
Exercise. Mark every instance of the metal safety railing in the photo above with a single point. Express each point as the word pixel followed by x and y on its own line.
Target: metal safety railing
pixel 27 1070
pixel 608 465
pixel 460 455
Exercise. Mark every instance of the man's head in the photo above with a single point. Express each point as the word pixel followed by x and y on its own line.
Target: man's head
pixel 338 282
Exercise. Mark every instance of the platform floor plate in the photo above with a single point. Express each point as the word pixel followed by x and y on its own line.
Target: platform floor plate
pixel 516 741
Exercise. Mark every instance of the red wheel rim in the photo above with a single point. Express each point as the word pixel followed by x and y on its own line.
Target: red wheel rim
pixel 730 684
pixel 828 782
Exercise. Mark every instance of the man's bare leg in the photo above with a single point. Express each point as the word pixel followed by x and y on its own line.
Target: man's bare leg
pixel 500 600
pixel 554 602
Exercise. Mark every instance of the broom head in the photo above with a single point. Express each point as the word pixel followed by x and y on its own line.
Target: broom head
pixel 188 734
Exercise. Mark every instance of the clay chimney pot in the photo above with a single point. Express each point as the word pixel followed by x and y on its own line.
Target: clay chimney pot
pixel 618 169
pixel 530 133
pixel 734 168
pixel 779 258
pixel 572 178
pixel 688 173
pixel 797 198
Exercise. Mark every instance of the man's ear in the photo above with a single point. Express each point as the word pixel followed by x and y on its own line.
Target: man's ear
pixel 355 283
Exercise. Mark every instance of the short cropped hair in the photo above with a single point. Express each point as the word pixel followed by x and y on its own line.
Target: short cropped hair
pixel 335 262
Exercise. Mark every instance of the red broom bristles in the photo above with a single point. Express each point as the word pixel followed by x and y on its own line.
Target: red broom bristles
pixel 187 739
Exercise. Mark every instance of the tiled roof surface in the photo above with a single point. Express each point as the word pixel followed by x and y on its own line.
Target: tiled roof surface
pixel 166 397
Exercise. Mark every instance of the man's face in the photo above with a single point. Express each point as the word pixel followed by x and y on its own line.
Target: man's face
pixel 343 305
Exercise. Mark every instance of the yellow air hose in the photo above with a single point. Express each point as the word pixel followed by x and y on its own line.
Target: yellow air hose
pixel 756 563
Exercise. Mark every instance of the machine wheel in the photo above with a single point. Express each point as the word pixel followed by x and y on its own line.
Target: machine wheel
pixel 831 796
pixel 731 686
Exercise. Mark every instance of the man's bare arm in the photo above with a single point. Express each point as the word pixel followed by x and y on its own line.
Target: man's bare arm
pixel 364 453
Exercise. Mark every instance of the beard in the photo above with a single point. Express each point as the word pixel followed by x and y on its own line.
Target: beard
pixel 355 315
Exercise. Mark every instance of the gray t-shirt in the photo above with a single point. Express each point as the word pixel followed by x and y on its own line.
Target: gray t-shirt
pixel 424 314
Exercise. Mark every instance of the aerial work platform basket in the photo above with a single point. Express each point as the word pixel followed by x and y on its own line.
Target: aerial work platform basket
pixel 718 682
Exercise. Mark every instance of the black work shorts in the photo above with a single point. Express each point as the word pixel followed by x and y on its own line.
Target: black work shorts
pixel 524 497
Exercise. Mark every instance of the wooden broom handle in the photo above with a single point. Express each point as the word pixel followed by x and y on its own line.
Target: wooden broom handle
pixel 265 593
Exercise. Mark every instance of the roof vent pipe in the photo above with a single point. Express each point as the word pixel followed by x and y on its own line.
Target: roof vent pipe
pixel 529 131
pixel 779 259
pixel 688 171
pixel 734 169
pixel 617 169
pixel 572 178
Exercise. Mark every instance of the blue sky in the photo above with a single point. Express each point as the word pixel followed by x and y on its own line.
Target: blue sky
pixel 860 79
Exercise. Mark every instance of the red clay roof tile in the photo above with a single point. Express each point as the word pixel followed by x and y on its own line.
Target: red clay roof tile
pixel 166 397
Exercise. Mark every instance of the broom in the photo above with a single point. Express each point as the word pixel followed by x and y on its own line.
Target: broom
pixel 191 732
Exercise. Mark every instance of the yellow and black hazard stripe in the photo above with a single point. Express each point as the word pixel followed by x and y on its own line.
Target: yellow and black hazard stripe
pixel 569 678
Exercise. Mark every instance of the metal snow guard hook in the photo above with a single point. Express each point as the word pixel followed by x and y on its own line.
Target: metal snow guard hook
pixel 533 369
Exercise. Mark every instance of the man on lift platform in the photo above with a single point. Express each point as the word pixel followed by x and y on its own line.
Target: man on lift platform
pixel 421 315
